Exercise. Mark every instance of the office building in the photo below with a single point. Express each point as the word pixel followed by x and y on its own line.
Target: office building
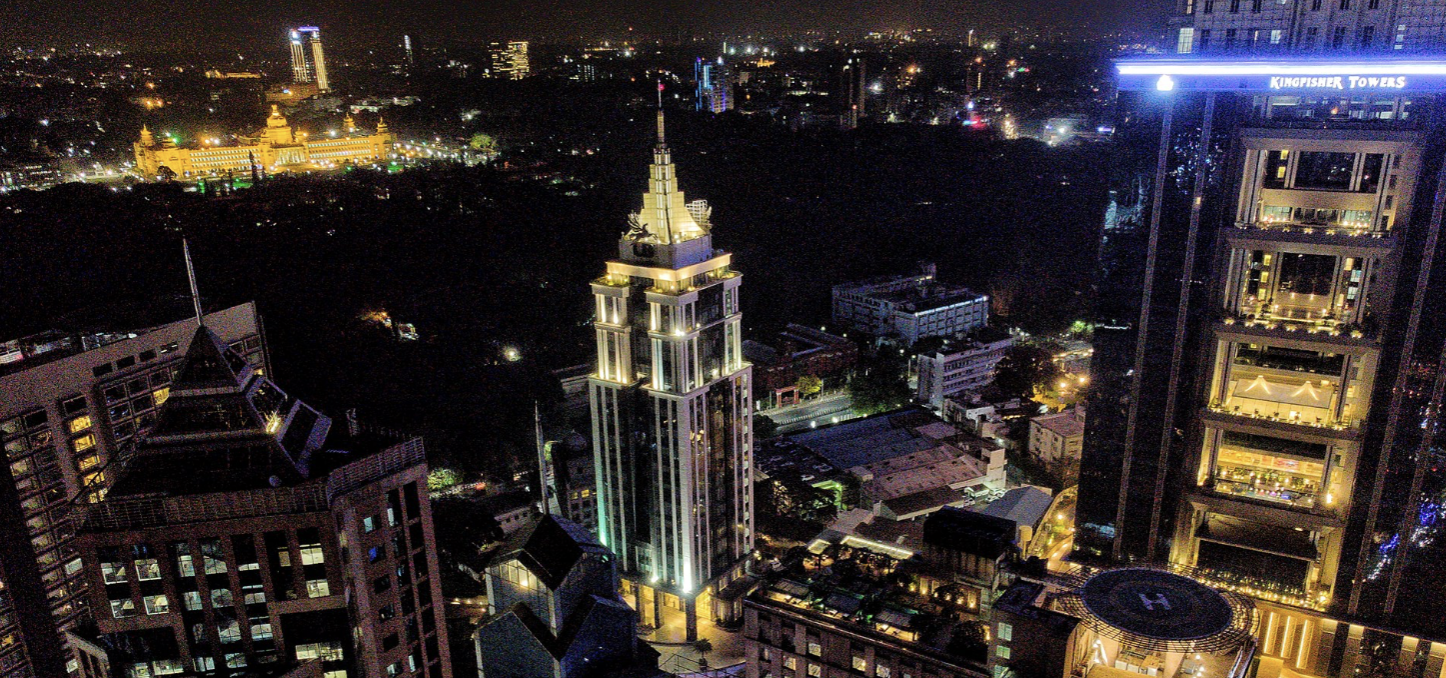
pixel 671 408
pixel 715 85
pixel 246 534
pixel 1058 436
pixel 1265 390
pixel 796 352
pixel 509 61
pixel 966 364
pixel 554 610
pixel 308 62
pixel 70 405
pixel 277 147
pixel 908 308
pixel 407 50
pixel 1362 27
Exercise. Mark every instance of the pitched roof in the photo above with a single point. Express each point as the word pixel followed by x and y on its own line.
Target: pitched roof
pixel 1023 505
pixel 223 427
pixel 549 546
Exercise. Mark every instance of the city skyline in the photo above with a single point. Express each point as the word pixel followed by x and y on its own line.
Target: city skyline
pixel 155 24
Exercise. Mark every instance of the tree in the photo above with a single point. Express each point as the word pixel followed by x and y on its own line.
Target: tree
pixel 809 384
pixel 485 143
pixel 464 526
pixel 1024 368
pixel 881 385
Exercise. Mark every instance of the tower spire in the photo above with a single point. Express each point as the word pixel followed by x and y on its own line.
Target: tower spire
pixel 660 113
pixel 191 275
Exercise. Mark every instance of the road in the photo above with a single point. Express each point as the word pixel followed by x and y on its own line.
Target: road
pixel 820 412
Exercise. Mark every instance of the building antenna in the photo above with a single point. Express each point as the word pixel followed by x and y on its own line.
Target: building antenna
pixel 660 113
pixel 191 274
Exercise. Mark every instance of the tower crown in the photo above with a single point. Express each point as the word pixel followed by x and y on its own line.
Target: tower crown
pixel 665 218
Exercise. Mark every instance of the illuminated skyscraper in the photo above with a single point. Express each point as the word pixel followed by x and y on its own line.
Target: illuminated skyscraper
pixel 715 85
pixel 672 437
pixel 308 62
pixel 510 61
pixel 407 47
pixel 1267 384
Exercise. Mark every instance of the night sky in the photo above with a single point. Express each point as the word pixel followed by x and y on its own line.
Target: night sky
pixel 246 25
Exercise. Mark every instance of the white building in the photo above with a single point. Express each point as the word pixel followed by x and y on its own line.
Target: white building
pixel 671 408
pixel 1058 436
pixel 909 307
pixel 961 366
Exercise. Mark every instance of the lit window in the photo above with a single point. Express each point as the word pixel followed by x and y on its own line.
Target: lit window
pixel 1002 651
pixel 113 573
pixel 191 600
pixel 148 569
pixel 121 609
pixel 317 588
pixel 790 663
pixel 221 598
pixel 815 670
pixel 858 663
pixel 84 442
pixel 88 462
pixel 157 604
pixel 1006 631
pixel 882 671
pixel 815 649
pixel 261 631
pixel 311 554
pixel 160 395
pixel 80 423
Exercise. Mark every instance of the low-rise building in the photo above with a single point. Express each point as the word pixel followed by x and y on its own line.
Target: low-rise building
pixel 906 452
pixel 276 147
pixel 554 610
pixel 1058 436
pixel 963 365
pixel 1026 507
pixel 795 352
pixel 853 613
pixel 908 308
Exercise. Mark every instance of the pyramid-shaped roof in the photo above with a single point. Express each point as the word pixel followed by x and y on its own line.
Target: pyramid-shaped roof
pixel 224 427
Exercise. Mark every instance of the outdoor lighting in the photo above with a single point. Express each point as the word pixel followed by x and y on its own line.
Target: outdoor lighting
pixel 1165 83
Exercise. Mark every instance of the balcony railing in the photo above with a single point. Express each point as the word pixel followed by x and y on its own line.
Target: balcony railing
pixel 1330 230
pixel 1219 407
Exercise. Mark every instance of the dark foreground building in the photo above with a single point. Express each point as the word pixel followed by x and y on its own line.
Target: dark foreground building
pixel 554 609
pixel 246 535
pixel 1265 407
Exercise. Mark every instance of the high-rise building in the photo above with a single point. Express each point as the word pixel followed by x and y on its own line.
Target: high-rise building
pixel 509 61
pixel 407 48
pixel 715 85
pixel 246 534
pixel 1267 380
pixel 308 62
pixel 1308 26
pixel 670 399
pixel 70 406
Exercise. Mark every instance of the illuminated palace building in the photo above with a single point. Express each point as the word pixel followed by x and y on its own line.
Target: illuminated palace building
pixel 670 403
pixel 276 147
pixel 1266 407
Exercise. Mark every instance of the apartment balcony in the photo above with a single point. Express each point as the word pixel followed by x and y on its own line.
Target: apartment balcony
pixel 1259 501
pixel 1235 415
pixel 1339 239
pixel 1293 330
